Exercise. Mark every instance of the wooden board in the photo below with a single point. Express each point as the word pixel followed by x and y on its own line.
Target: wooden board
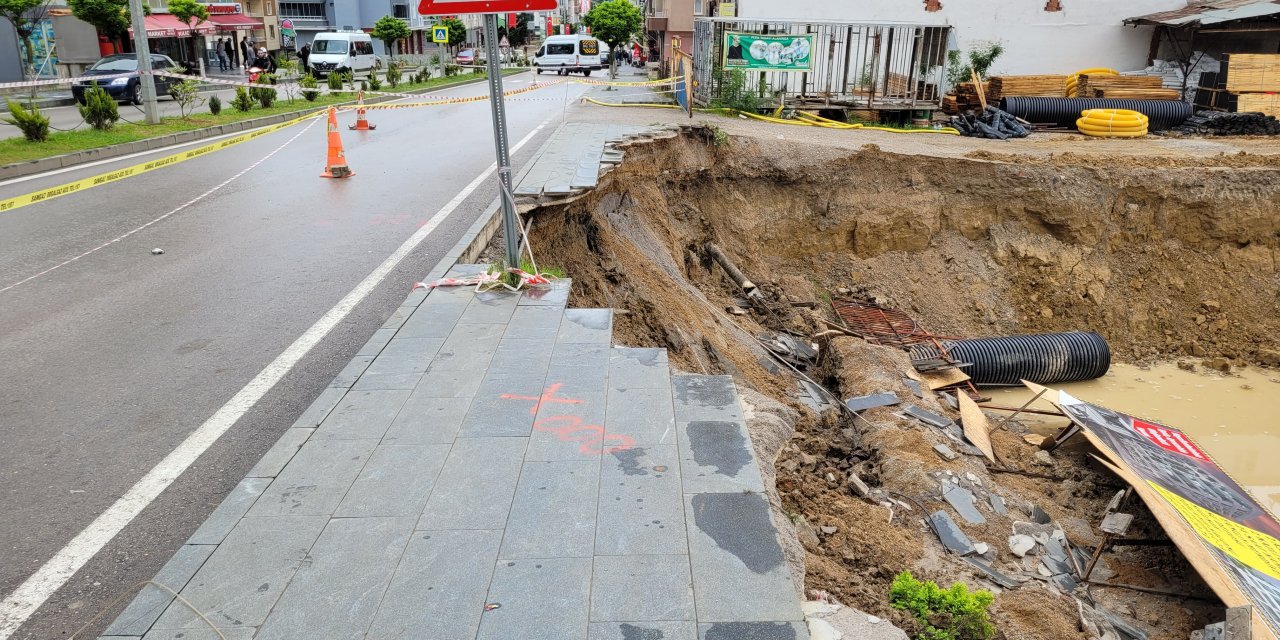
pixel 1248 72
pixel 1087 84
pixel 975 425
pixel 1139 94
pixel 1267 103
pixel 942 378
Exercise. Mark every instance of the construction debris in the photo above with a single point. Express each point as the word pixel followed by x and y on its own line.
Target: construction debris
pixel 1218 123
pixel 990 123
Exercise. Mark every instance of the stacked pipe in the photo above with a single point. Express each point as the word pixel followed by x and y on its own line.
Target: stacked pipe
pixel 1112 123
pixel 1218 123
pixel 1063 112
pixel 992 123
pixel 1044 358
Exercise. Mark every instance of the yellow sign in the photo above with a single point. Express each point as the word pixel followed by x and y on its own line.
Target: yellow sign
pixel 1249 546
pixel 728 9
pixel 440 34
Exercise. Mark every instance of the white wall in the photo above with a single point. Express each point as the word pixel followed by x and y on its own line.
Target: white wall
pixel 1086 33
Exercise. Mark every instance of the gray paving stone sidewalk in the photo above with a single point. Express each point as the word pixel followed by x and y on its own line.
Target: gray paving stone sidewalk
pixel 490 467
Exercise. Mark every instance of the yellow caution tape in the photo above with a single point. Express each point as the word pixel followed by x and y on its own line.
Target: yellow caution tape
pixel 643 83
pixel 617 104
pixel 141 168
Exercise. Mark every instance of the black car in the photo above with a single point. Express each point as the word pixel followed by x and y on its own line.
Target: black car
pixel 127 88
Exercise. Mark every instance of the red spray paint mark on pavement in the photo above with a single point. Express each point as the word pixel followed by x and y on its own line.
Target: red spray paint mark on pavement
pixel 591 438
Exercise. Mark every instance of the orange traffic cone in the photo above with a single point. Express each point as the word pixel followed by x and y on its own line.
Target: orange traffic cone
pixel 336 163
pixel 362 123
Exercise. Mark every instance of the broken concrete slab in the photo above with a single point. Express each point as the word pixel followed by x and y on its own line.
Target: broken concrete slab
pixel 949 532
pixel 1021 545
pixel 1125 625
pixel 928 417
pixel 995 576
pixel 997 504
pixel 914 387
pixel 945 451
pixel 862 403
pixel 1116 524
pixel 962 501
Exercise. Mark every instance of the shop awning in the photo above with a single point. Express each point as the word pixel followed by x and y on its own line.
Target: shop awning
pixel 1201 13
pixel 165 25
pixel 235 21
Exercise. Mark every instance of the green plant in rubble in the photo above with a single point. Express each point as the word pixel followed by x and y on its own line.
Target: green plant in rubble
pixel 943 614
pixel 734 93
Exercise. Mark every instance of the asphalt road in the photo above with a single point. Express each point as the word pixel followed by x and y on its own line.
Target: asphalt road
pixel 112 359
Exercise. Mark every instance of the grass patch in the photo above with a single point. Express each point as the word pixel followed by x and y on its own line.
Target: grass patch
pixel 18 149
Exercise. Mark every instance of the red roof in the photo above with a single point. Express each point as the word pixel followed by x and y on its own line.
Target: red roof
pixel 165 25
pixel 234 21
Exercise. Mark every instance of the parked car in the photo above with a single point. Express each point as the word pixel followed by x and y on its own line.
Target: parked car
pixel 570 54
pixel 127 88
pixel 466 56
pixel 342 52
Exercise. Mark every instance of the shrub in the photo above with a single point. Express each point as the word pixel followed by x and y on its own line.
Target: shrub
pixel 187 95
pixel 393 75
pixel 735 94
pixel 451 70
pixel 34 126
pixel 335 82
pixel 951 614
pixel 980 60
pixel 243 101
pixel 266 94
pixel 309 82
pixel 215 104
pixel 99 109
pixel 374 83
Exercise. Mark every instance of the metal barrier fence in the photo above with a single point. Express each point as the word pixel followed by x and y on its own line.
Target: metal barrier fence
pixel 860 66
pixel 682 68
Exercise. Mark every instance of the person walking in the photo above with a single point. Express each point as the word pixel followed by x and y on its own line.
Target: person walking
pixel 222 55
pixel 230 50
pixel 246 52
pixel 303 54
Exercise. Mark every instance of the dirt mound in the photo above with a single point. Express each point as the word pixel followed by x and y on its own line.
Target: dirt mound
pixel 1161 260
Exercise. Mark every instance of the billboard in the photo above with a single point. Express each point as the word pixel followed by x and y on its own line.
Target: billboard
pixel 754 52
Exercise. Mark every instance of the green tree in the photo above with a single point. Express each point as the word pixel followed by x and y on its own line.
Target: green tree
pixel 457 31
pixel 390 29
pixel 23 15
pixel 615 22
pixel 111 17
pixel 191 13
pixel 518 34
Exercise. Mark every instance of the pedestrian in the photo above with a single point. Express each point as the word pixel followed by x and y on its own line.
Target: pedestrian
pixel 222 55
pixel 230 49
pixel 303 54
pixel 246 52
pixel 264 61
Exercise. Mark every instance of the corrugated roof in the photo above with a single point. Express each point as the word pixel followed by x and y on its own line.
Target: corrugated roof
pixel 1213 12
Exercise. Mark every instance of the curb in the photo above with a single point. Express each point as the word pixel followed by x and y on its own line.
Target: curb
pixel 20 169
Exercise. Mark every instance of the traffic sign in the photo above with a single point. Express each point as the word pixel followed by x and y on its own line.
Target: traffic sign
pixel 440 34
pixel 455 7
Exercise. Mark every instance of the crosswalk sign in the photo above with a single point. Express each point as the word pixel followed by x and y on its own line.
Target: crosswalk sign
pixel 440 34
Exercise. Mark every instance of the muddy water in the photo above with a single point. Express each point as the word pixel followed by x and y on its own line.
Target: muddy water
pixel 1236 417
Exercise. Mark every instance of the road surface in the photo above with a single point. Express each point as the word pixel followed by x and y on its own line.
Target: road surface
pixel 113 356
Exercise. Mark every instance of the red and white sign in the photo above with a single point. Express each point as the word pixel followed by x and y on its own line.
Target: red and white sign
pixel 454 7
pixel 1169 439
pixel 223 8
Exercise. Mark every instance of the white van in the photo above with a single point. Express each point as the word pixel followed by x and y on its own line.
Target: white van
pixel 569 54
pixel 342 51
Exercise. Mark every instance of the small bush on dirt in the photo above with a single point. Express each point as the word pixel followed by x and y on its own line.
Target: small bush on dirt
pixel 99 109
pixel 734 93
pixel 393 75
pixel 374 83
pixel 451 70
pixel 309 82
pixel 951 614
pixel 215 105
pixel 243 101
pixel 266 94
pixel 34 126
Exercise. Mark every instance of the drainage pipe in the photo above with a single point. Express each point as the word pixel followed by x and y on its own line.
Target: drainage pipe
pixel 748 287
pixel 1063 112
pixel 1043 358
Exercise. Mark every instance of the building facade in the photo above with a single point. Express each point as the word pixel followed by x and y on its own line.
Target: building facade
pixel 1039 36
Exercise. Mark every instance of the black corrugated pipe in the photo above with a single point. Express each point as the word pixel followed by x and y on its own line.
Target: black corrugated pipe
pixel 1064 112
pixel 1045 358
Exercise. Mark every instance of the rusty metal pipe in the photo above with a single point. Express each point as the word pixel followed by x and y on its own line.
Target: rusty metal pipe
pixel 748 287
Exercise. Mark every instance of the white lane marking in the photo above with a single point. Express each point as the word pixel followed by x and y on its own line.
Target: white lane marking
pixel 180 208
pixel 33 593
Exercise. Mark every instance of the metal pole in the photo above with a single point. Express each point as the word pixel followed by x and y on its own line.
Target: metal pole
pixel 510 228
pixel 144 62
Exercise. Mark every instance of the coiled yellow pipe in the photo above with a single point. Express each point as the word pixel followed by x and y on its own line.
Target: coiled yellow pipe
pixel 1113 123
pixel 1074 79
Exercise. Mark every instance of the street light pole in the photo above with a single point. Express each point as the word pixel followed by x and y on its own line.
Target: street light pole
pixel 510 225
pixel 144 62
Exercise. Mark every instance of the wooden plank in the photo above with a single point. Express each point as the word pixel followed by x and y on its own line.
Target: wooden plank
pixel 977 85
pixel 1248 72
pixel 1266 103
pixel 975 425
pixel 942 378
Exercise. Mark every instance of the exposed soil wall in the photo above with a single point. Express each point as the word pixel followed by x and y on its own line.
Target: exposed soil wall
pixel 1166 260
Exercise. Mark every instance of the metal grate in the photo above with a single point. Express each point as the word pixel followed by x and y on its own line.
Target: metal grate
pixel 882 326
